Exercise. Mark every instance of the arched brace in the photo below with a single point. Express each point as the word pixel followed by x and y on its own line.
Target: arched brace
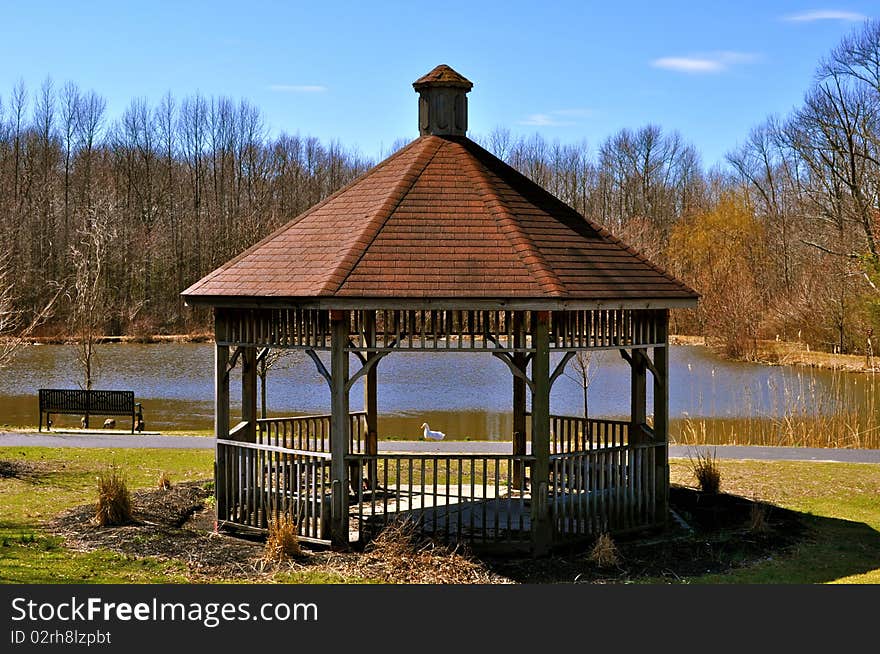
pixel 648 363
pixel 369 364
pixel 322 369
pixel 654 370
pixel 560 367
pixel 506 358
pixel 359 355
pixel 233 359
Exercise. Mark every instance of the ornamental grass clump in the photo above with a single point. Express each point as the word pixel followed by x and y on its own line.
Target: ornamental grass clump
pixel 282 543
pixel 604 552
pixel 707 472
pixel 164 482
pixel 114 501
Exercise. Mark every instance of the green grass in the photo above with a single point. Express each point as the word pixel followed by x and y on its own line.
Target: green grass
pixel 840 502
pixel 67 477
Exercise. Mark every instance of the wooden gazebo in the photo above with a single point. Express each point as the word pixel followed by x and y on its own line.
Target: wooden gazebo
pixel 442 247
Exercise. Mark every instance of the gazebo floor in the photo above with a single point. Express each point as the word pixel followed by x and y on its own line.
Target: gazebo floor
pixel 458 513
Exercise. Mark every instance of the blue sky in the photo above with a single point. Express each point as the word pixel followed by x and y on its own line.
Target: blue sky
pixel 568 70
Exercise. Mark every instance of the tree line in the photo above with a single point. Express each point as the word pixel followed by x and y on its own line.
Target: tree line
pixel 782 241
pixel 125 214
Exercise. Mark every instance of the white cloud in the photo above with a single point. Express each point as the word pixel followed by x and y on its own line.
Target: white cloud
pixel 297 88
pixel 825 14
pixel 556 118
pixel 714 62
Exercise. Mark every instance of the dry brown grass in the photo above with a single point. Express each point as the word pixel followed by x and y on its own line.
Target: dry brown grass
pixel 400 554
pixel 114 501
pixel 164 482
pixel 707 472
pixel 604 552
pixel 282 543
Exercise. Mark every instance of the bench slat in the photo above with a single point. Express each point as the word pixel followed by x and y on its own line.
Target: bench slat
pixel 101 402
pixel 92 402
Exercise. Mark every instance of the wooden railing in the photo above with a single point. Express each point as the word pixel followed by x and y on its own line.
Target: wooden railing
pixel 452 498
pixel 257 482
pixel 310 433
pixel 573 434
pixel 608 489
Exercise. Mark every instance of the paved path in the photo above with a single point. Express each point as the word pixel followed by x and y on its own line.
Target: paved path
pixel 19 439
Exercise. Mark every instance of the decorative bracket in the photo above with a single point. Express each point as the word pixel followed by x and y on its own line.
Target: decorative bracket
pixel 648 363
pixel 369 364
pixel 322 369
pixel 560 367
pixel 233 359
pixel 507 358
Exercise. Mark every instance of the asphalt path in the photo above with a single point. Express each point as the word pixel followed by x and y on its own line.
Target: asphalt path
pixel 116 441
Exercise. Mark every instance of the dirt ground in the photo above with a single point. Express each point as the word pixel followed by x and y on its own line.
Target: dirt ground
pixel 711 533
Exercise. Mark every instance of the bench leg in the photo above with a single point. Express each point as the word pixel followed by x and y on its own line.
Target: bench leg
pixel 40 428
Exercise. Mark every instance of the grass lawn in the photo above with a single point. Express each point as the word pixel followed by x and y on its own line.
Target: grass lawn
pixel 842 503
pixel 61 478
pixel 842 506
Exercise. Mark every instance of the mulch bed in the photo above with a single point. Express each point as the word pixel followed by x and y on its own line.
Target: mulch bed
pixel 714 533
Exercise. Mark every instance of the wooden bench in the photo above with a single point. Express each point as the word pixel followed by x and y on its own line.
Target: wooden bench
pixel 93 402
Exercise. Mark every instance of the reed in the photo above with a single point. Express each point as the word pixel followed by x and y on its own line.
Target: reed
pixel 801 411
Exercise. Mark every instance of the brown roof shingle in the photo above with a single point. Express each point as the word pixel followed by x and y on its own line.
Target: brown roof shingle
pixel 441 218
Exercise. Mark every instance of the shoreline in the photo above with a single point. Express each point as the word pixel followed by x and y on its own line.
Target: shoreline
pixel 789 353
pixel 196 337
pixel 770 352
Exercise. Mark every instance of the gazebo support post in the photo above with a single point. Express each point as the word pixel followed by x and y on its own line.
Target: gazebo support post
pixel 519 401
pixel 371 445
pixel 661 417
pixel 249 393
pixel 542 527
pixel 339 428
pixel 638 394
pixel 221 408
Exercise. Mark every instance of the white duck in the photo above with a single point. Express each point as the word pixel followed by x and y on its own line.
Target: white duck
pixel 432 435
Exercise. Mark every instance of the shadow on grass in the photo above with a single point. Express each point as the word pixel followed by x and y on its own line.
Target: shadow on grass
pixel 733 540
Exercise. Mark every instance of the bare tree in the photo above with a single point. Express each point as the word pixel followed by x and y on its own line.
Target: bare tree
pixel 88 301
pixel 582 370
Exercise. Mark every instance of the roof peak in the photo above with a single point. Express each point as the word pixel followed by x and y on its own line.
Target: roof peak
pixel 443 75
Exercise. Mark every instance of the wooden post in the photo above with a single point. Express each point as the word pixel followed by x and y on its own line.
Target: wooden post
pixel 221 410
pixel 638 394
pixel 249 393
pixel 519 402
pixel 661 417
pixel 542 527
pixel 371 446
pixel 339 428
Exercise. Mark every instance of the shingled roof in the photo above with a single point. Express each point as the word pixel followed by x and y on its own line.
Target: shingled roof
pixel 442 218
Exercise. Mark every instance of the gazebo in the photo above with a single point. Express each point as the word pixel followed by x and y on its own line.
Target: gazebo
pixel 442 247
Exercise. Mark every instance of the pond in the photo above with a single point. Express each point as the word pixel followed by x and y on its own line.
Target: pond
pixel 466 395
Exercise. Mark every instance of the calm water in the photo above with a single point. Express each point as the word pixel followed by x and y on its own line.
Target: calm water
pixel 464 395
